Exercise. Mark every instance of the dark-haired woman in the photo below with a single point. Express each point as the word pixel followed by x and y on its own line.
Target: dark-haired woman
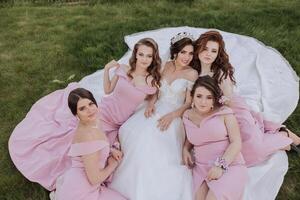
pixel 91 164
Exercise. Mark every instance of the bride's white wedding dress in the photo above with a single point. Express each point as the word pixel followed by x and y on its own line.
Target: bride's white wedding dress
pixel 151 167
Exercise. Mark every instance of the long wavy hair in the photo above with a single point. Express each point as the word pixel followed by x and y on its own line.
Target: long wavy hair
pixel 221 67
pixel 154 68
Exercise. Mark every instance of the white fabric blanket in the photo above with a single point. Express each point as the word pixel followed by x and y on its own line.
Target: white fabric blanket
pixel 264 78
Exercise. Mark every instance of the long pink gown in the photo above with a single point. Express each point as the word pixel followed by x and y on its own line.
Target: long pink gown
pixel 75 184
pixel 210 141
pixel 39 144
pixel 260 138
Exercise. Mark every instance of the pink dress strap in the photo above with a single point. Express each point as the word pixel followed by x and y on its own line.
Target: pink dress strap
pixel 84 148
pixel 120 71
pixel 224 110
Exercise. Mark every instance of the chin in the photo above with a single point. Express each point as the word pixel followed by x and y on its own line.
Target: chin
pixel 203 111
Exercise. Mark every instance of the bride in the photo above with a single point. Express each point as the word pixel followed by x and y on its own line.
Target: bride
pixel 152 140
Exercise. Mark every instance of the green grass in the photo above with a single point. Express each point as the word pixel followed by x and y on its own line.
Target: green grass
pixel 43 41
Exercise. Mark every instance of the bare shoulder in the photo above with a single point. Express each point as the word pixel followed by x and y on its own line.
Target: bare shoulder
pixel 192 74
pixel 125 67
pixel 168 66
pixel 188 113
pixel 229 118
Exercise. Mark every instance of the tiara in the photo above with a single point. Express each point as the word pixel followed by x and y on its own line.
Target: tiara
pixel 180 36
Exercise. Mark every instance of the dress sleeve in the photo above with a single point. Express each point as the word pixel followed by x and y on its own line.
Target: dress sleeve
pixel 84 148
pixel 120 71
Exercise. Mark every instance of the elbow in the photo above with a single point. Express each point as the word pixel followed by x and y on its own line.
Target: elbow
pixel 94 180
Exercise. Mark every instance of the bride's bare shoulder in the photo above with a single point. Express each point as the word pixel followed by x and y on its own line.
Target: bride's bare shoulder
pixel 191 74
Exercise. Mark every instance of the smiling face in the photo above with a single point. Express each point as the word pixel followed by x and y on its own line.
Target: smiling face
pixel 203 100
pixel 86 110
pixel 209 53
pixel 144 56
pixel 185 56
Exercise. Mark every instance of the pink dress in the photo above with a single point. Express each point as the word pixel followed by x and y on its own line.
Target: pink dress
pixel 116 108
pixel 210 141
pixel 75 184
pixel 39 144
pixel 260 138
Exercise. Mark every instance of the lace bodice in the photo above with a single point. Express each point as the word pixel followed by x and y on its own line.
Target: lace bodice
pixel 174 93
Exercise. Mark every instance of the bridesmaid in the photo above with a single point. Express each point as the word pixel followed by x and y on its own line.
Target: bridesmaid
pixel 89 152
pixel 39 144
pixel 219 170
pixel 129 86
pixel 260 138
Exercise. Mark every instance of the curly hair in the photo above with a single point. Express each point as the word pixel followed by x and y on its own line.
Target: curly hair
pixel 154 68
pixel 221 67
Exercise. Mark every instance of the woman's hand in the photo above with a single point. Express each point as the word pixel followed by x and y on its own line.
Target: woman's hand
pixel 111 64
pixel 214 173
pixel 165 121
pixel 187 158
pixel 150 109
pixel 116 154
pixel 112 162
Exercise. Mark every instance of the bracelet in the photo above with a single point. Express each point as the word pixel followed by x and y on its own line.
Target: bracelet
pixel 221 162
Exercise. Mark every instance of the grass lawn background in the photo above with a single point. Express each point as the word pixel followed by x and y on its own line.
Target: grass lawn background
pixel 41 41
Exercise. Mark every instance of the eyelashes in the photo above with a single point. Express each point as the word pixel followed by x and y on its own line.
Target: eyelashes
pixel 148 56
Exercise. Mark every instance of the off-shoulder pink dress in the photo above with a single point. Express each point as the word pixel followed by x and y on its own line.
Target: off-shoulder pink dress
pixel 210 141
pixel 74 182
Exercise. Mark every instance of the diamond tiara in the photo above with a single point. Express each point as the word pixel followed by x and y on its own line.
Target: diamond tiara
pixel 180 36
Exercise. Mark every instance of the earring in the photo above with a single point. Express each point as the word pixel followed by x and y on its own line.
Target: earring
pixel 175 56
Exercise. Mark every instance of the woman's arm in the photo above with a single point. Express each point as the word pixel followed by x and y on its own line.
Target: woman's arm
pixel 186 154
pixel 234 137
pixel 232 150
pixel 94 174
pixel 150 108
pixel 109 85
